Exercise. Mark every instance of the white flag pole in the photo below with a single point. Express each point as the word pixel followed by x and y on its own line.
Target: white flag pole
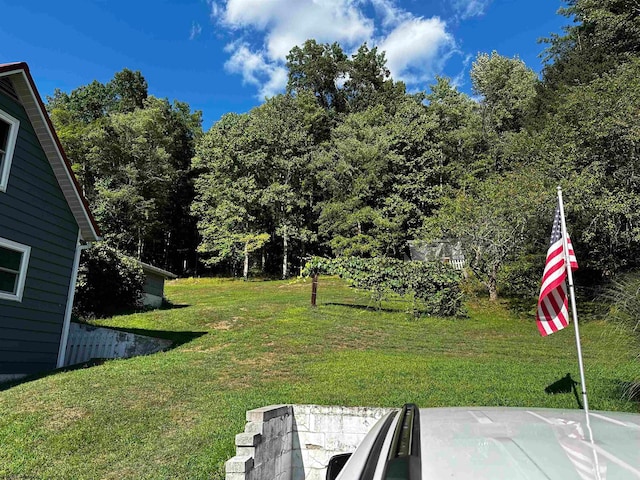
pixel 574 312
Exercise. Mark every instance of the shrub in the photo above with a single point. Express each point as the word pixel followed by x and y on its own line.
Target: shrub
pixel 433 287
pixel 623 296
pixel 521 277
pixel 108 282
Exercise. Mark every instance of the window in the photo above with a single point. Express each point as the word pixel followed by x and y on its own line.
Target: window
pixel 14 258
pixel 8 134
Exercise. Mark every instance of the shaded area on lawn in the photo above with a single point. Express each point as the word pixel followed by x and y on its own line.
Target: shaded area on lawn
pixel 177 337
pixel 370 308
pixel 37 376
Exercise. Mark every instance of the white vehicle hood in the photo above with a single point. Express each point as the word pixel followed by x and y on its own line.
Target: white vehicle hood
pixel 520 443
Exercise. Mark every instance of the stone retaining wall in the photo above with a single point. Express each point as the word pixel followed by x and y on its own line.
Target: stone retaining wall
pixel 295 442
pixel 88 341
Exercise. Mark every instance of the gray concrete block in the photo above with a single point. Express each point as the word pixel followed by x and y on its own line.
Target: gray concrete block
pixel 247 452
pixel 253 427
pixel 264 414
pixel 239 464
pixel 246 439
pixel 237 476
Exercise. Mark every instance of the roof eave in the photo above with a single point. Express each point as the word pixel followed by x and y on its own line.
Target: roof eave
pixel 32 102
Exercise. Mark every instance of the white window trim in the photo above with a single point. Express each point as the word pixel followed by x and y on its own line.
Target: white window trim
pixel 22 274
pixel 5 165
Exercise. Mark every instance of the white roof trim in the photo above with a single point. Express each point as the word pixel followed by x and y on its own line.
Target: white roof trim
pixel 158 271
pixel 32 103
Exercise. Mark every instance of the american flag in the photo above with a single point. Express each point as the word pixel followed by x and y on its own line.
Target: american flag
pixel 553 313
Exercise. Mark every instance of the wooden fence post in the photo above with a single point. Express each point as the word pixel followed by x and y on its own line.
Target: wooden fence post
pixel 314 289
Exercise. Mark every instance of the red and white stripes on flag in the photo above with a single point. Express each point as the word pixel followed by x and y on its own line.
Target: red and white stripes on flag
pixel 553 312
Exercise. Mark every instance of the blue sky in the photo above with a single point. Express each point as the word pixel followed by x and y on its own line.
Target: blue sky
pixel 226 55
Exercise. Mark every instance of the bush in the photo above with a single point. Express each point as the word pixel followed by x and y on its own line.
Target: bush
pixel 521 278
pixel 433 287
pixel 108 282
pixel 623 296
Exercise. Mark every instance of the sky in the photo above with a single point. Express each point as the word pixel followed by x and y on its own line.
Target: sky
pixel 224 56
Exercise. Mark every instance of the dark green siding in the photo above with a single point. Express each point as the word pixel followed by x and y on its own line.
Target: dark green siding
pixel 153 283
pixel 34 212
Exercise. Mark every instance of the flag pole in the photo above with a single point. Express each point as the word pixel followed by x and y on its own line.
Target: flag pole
pixel 574 311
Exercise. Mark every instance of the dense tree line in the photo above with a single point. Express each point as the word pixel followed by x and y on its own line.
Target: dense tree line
pixel 132 155
pixel 348 163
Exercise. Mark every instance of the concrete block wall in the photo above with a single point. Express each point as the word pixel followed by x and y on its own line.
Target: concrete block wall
pixel 263 450
pixel 295 442
pixel 88 341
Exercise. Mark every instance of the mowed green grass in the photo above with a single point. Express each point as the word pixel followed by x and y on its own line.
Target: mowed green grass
pixel 175 414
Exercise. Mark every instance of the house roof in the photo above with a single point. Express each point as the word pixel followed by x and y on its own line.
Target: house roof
pixel 32 102
pixel 158 271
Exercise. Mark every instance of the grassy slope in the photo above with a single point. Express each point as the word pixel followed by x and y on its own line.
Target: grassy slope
pixel 175 414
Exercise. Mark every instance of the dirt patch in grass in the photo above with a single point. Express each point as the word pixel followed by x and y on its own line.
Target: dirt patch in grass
pixel 350 337
pixel 58 417
pixel 223 325
pixel 65 417
pixel 264 368
pixel 205 348
pixel 182 415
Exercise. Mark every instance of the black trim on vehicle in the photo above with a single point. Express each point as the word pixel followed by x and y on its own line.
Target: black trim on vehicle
pixel 403 462
pixel 336 464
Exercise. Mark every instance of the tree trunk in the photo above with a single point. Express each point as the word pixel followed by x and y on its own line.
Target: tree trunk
pixel 492 285
pixel 139 244
pixel 167 242
pixel 285 241
pixel 245 270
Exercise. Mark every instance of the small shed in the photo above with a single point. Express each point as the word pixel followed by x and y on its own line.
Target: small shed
pixel 447 250
pixel 154 279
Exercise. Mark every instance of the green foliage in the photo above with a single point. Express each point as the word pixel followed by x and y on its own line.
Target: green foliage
pixel 623 295
pixel 432 286
pixel 318 68
pixel 521 277
pixel 126 92
pixel 132 155
pixel 590 145
pixel 496 221
pixel 108 282
pixel 254 181
pixel 623 298
pixel 348 164
pixel 507 87
pixel 604 34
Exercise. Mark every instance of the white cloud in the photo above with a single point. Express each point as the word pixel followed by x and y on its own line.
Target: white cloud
pixel 287 24
pixel 196 29
pixel 269 78
pixel 214 9
pixel 416 49
pixel 470 8
pixel 390 14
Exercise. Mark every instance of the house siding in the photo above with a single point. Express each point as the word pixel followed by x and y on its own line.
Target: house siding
pixel 35 213
pixel 153 284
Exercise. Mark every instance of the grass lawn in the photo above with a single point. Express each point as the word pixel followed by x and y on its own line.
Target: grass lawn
pixel 175 414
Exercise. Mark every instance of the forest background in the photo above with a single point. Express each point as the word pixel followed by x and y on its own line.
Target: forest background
pixel 349 163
